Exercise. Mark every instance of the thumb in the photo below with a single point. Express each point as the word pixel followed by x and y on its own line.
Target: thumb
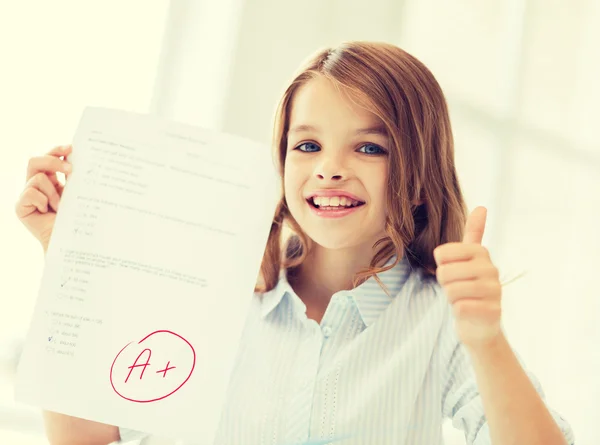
pixel 475 226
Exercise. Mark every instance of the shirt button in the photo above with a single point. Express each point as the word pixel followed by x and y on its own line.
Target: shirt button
pixel 326 331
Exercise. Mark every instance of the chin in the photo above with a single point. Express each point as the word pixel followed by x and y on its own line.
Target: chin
pixel 333 244
pixel 333 239
pixel 338 233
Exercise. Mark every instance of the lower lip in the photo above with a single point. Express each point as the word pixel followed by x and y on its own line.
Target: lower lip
pixel 333 213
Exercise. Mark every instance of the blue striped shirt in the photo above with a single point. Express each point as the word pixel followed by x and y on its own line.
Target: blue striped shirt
pixel 378 369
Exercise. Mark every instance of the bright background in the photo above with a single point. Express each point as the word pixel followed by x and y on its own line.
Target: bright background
pixel 520 77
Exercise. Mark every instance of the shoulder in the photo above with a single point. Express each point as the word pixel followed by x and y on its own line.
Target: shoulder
pixel 429 296
pixel 428 288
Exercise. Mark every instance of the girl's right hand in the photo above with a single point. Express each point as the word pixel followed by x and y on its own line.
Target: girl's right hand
pixel 38 204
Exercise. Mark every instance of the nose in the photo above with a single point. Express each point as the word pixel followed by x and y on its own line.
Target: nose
pixel 330 168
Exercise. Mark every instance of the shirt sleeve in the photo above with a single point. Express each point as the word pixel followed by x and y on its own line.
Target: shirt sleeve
pixel 461 401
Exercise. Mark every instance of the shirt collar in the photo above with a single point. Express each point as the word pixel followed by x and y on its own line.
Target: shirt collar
pixel 371 300
pixel 272 298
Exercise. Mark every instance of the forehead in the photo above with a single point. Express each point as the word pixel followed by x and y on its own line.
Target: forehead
pixel 319 101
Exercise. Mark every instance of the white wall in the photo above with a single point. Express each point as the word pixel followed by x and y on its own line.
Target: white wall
pixel 520 77
pixel 57 57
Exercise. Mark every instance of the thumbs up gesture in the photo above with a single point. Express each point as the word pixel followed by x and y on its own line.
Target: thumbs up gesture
pixel 471 283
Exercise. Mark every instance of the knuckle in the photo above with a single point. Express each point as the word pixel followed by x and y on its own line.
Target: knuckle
pixel 497 287
pixel 18 205
pixel 29 192
pixel 27 196
pixel 441 273
pixel 494 272
pixel 440 251
pixel 479 249
pixel 25 199
pixel 37 179
pixel 37 195
pixel 43 178
pixel 31 163
pixel 460 308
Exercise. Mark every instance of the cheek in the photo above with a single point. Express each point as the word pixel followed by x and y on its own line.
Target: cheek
pixel 291 185
pixel 294 177
pixel 378 191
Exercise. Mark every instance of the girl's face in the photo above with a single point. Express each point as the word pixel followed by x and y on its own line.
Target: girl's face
pixel 335 168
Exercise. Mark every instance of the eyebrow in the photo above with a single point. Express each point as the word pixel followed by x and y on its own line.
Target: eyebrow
pixel 377 129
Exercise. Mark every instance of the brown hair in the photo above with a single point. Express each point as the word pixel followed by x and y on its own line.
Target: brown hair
pixel 405 96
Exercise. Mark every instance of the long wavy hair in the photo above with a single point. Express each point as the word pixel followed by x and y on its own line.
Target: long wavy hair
pixel 405 96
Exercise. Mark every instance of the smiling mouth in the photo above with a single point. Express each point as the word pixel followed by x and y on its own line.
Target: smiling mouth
pixel 333 203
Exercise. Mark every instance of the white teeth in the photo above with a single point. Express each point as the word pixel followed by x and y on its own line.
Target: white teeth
pixel 334 201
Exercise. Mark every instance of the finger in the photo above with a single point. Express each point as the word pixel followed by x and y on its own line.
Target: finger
pixel 64 151
pixel 465 270
pixel 474 289
pixel 475 226
pixel 42 183
pixel 60 150
pixel 31 200
pixel 59 188
pixel 47 164
pixel 68 151
pixel 480 312
pixel 451 252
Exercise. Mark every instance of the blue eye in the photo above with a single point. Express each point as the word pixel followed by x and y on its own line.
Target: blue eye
pixel 372 149
pixel 309 147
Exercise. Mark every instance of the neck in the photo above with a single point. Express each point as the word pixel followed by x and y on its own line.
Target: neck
pixel 327 271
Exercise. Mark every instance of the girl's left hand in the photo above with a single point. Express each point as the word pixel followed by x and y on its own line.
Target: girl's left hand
pixel 472 284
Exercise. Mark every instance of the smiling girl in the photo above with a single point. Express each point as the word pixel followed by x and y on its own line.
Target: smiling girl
pixel 380 317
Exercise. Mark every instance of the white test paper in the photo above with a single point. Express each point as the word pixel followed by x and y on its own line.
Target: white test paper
pixel 149 275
